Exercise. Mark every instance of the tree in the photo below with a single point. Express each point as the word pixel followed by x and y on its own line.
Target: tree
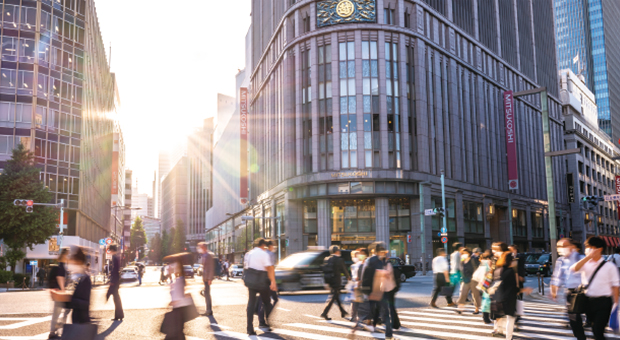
pixel 21 180
pixel 155 248
pixel 138 235
pixel 165 244
pixel 178 244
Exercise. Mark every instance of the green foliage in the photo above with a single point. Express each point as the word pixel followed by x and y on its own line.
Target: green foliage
pixel 19 278
pixel 13 255
pixel 20 180
pixel 155 248
pixel 138 235
pixel 3 263
pixel 178 243
pixel 5 276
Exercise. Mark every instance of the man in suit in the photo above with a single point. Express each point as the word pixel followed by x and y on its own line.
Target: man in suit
pixel 336 265
pixel 115 279
pixel 208 273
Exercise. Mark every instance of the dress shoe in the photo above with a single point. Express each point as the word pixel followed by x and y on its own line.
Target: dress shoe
pixel 432 304
pixel 325 317
pixel 251 333
pixel 343 314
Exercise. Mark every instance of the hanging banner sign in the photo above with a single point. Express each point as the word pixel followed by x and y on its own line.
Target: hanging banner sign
pixel 618 192
pixel 243 134
pixel 511 141
pixel 571 187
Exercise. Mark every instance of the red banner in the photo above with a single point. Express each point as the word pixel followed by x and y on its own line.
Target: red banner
pixel 243 145
pixel 618 192
pixel 511 141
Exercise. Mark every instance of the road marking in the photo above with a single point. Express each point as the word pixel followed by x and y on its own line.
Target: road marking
pixel 36 337
pixel 477 318
pixel 26 322
pixel 312 316
pixel 220 326
pixel 286 310
pixel 346 330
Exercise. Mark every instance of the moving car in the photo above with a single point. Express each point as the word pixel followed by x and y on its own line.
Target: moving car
pixel 538 263
pixel 235 270
pixel 129 274
pixel 188 271
pixel 303 270
pixel 406 271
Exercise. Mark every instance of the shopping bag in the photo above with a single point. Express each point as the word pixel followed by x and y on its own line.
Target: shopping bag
pixel 614 323
pixel 455 278
pixel 520 310
pixel 79 331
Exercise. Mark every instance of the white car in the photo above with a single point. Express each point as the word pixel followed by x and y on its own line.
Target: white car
pixel 129 274
pixel 235 270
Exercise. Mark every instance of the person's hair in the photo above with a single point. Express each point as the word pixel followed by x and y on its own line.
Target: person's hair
pixel 501 245
pixel 577 245
pixel 376 247
pixel 595 241
pixel 271 243
pixel 617 250
pixel 514 246
pixel 260 242
pixel 456 245
pixel 113 247
pixel 79 256
pixel 504 260
pixel 487 255
pixel 440 251
pixel 466 250
pixel 334 249
pixel 63 252
pixel 477 250
pixel 363 251
pixel 354 254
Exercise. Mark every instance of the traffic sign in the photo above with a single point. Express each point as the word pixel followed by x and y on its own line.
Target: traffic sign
pixel 444 230
pixel 444 234
pixel 108 251
pixel 439 234
pixel 612 198
pixel 408 238
pixel 108 241
pixel 444 240
pixel 102 242
pixel 33 263
pixel 429 212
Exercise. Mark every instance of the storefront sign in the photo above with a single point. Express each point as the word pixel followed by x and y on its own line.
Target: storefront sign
pixel 53 246
pixel 511 141
pixel 618 192
pixel 571 187
pixel 351 174
pixel 243 149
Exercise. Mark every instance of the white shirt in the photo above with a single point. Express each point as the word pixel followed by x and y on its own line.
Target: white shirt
pixel 440 264
pixel 455 262
pixel 606 278
pixel 615 259
pixel 258 259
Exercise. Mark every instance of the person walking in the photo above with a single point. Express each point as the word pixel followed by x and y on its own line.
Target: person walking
pixel 503 292
pixel 562 276
pixel 183 308
pixel 468 284
pixel 602 281
pixel 115 279
pixel 225 267
pixel 259 277
pixel 358 257
pixel 262 323
pixel 333 270
pixel 476 253
pixel 41 276
pixel 441 273
pixel 57 280
pixel 455 264
pixel 208 274
pixel 483 276
pixel 615 258
pixel 80 299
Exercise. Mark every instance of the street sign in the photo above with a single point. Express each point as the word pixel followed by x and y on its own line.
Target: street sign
pixel 444 240
pixel 408 238
pixel 102 242
pixel 108 241
pixel 108 251
pixel 444 234
pixel 429 212
pixel 444 230
pixel 612 198
pixel 439 234
pixel 33 263
pixel 561 236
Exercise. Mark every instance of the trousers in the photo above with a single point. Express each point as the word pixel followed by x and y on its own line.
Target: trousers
pixel 59 307
pixel 505 324
pixel 575 320
pixel 208 303
pixel 261 308
pixel 118 305
pixel 265 296
pixel 334 296
pixel 598 312
pixel 439 282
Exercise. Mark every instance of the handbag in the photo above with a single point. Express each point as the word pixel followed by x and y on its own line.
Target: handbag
pixel 520 309
pixel 173 322
pixel 255 279
pixel 446 291
pixel 189 312
pixel 387 281
pixel 578 299
pixel 79 331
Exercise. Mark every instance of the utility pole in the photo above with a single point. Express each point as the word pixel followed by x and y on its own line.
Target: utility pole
pixel 443 204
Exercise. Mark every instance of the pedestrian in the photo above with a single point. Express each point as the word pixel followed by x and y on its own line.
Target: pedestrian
pixel 208 274
pixel 333 270
pixel 455 264
pixel 393 275
pixel 468 266
pixel 484 276
pixel 602 281
pixel 115 279
pixel 262 323
pixel 259 277
pixel 615 258
pixel 441 273
pixel 183 308
pixel 80 299
pixel 476 253
pixel 562 276
pixel 358 258
pixel 226 269
pixel 140 273
pixel 57 280
pixel 162 274
pixel 374 275
pixel 503 292
pixel 519 263
pixel 41 276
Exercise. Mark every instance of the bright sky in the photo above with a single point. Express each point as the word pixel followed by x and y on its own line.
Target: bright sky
pixel 170 59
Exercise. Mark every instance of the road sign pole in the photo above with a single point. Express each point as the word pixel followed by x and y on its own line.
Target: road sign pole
pixel 62 221
pixel 443 204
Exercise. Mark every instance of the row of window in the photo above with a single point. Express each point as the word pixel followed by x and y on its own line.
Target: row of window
pixel 25 50
pixel 596 175
pixel 25 18
pixel 53 119
pixel 47 87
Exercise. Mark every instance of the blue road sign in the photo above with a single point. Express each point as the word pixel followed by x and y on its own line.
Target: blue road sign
pixel 439 234
pixel 444 230
pixel 102 242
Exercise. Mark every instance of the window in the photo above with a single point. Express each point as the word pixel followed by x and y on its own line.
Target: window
pixel 306 110
pixel 582 189
pixel 326 126
pixel 370 86
pixel 393 105
pixel 9 16
pixel 353 216
pixel 400 214
pixel 9 48
pixel 348 105
pixel 306 22
pixel 537 225
pixel 407 19
pixel 40 117
pixel 8 79
pixel 580 167
pixel 29 18
pixel 46 21
pixel 6 145
pixel 25 81
pixel 388 16
pixel 413 142
pixel 44 53
pixel 587 171
pixel 23 113
pixel 42 85
pixel 519 225
pixel 473 213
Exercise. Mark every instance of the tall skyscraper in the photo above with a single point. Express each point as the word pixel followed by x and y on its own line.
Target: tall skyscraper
pixel 164 166
pixel 588 42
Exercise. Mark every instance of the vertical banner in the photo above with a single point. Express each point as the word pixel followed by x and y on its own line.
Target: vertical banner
pixel 618 192
pixel 115 173
pixel 511 141
pixel 243 145
pixel 571 187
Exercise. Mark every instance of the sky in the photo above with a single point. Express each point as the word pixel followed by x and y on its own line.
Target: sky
pixel 171 59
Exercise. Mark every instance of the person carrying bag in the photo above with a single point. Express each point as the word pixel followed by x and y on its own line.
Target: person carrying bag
pixel 259 277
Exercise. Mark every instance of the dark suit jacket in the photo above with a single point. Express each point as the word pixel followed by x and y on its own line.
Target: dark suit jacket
pixel 521 269
pixel 115 270
pixel 208 270
pixel 339 269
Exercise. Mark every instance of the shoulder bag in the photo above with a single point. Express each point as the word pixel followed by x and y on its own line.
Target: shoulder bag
pixel 255 279
pixel 577 300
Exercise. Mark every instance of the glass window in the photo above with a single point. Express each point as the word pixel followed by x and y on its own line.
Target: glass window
pixel 353 216
pixel 9 48
pixel 400 214
pixel 29 18
pixel 8 79
pixel 310 224
pixel 9 16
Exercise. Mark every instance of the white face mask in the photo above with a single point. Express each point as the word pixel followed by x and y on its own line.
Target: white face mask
pixel 356 260
pixel 465 256
pixel 588 251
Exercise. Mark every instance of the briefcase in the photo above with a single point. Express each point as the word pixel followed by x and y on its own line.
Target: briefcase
pixel 79 331
pixel 446 291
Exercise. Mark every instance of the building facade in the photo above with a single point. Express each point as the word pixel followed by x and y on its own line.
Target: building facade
pixel 588 42
pixel 152 226
pixel 127 211
pixel 358 106
pixel 139 201
pixel 174 196
pixel 162 171
pixel 58 98
pixel 593 171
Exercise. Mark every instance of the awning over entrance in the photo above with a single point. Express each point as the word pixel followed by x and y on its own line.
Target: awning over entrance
pixel 607 240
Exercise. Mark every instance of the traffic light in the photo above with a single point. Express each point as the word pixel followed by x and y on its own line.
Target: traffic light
pixel 592 200
pixel 29 204
pixel 439 211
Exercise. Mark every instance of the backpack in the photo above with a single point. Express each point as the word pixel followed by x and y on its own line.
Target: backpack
pixel 328 270
pixel 51 278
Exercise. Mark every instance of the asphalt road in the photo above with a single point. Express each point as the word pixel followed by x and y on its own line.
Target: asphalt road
pixel 25 315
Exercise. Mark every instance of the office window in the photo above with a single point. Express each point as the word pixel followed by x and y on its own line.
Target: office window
pixel 537 225
pixel 8 79
pixel 29 18
pixel 370 86
pixel 474 217
pixel 393 104
pixel 10 15
pixel 9 48
pixel 519 225
pixel 388 16
pixel 306 90
pixel 411 117
pixel 348 105
pixel 326 127
pixel 400 214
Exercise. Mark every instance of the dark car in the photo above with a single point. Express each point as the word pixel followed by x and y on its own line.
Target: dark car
pixel 188 271
pixel 303 270
pixel 406 271
pixel 538 263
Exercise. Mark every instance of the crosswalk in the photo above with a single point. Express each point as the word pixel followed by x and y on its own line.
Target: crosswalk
pixel 541 321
